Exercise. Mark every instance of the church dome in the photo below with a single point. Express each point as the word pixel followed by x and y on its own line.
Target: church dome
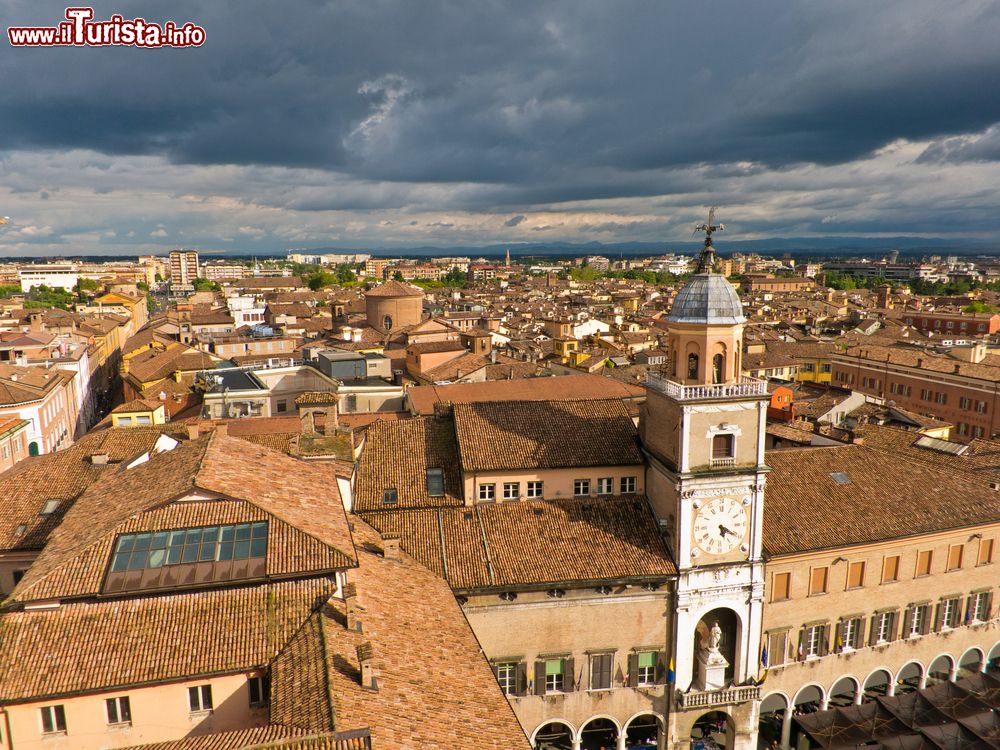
pixel 709 299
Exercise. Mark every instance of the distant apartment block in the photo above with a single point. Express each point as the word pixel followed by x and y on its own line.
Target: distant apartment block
pixel 64 276
pixel 183 267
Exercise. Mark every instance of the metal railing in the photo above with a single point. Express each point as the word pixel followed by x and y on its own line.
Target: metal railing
pixel 727 696
pixel 743 387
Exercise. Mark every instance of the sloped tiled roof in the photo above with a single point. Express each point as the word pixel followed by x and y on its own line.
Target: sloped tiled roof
pixel 890 494
pixel 506 435
pixel 397 455
pixel 394 289
pixel 533 542
pixel 74 560
pixel 103 645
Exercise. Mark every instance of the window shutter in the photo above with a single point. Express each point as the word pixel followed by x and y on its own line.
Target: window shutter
pixel 927 621
pixel 939 617
pixel 661 667
pixel 521 678
pixel 824 643
pixel 569 675
pixel 907 622
pixel 539 678
pixel 970 606
pixel 633 670
pixel 873 631
pixel 989 606
pixel 893 623
pixel 839 637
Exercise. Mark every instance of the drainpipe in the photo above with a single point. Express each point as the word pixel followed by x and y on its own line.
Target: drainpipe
pixel 6 721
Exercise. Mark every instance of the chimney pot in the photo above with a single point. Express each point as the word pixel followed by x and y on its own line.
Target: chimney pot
pixel 366 658
pixel 351 605
pixel 222 428
pixel 192 430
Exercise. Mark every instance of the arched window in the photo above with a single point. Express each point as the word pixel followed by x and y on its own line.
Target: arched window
pixel 718 362
pixel 387 323
pixel 692 365
pixel 33 448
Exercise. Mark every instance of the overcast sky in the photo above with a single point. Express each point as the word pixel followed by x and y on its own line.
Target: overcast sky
pixel 375 123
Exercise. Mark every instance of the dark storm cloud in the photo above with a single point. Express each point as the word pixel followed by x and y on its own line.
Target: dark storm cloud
pixel 513 221
pixel 509 93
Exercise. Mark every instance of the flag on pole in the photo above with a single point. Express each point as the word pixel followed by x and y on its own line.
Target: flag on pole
pixel 763 656
pixel 671 674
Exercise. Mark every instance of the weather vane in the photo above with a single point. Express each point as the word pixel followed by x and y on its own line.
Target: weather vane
pixel 707 260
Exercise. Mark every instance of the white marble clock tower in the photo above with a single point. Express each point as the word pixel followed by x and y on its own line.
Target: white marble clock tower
pixel 702 428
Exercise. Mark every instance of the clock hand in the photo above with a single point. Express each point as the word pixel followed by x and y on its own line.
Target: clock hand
pixel 724 531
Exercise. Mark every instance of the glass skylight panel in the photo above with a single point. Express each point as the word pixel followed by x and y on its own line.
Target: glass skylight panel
pixel 187 546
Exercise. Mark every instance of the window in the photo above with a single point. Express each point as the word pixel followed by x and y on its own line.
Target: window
pixel 18 575
pixel 856 575
pixel 506 673
pixel 209 544
pixel 487 493
pixel 781 587
pixel 925 394
pixel 851 631
pixel 980 605
pixel 981 407
pixel 259 689
pixel 581 487
pixel 919 620
pixel 535 489
pixel 777 648
pixel 53 719
pixel 200 698
pixel 282 406
pixel 628 485
pixel 977 431
pixel 948 613
pixel 511 490
pixel 127 421
pixel 723 446
pixel 985 552
pixel 390 496
pixel 813 642
pixel 955 557
pixel 692 366
pixel 883 627
pixel 119 710
pixel 387 323
pixel 435 482
pixel 817 581
pixel 142 419
pixel 553 675
pixel 924 559
pixel 605 485
pixel 890 569
pixel 646 667
pixel 964 403
pixel 827 368
pixel 941 397
pixel 600 671
pixel 49 507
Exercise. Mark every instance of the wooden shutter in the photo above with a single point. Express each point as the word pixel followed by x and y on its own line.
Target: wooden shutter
pixel 839 637
pixel 907 622
pixel 539 678
pixel 927 621
pixel 607 663
pixel 521 678
pixel 633 670
pixel 893 622
pixel 800 655
pixel 873 631
pixel 661 667
pixel 939 617
pixel 970 604
pixel 989 606
pixel 824 640
pixel 569 675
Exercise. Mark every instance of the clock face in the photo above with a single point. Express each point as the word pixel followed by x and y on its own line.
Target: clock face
pixel 720 526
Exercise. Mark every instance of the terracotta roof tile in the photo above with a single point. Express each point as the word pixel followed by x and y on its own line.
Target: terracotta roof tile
pixel 533 542
pixel 505 435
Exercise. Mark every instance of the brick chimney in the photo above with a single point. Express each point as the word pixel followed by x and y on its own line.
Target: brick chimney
pixel 222 428
pixel 366 658
pixel 192 430
pixel 351 605
pixel 390 547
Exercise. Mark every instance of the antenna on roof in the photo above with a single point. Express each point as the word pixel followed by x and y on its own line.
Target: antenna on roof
pixel 706 262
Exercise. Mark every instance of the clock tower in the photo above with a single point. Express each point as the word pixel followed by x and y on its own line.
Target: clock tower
pixel 702 429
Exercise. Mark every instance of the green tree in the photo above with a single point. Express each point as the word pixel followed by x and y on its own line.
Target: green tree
pixel 979 307
pixel 43 297
pixel 205 285
pixel 9 290
pixel 320 279
pixel 398 276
